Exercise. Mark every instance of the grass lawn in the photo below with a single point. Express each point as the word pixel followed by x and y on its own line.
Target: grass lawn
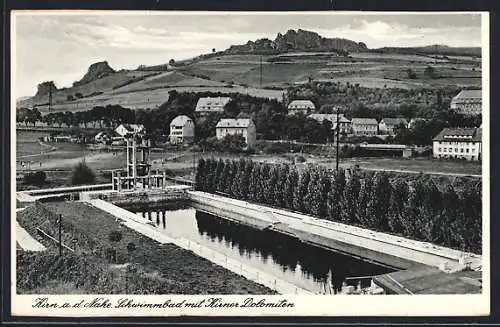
pixel 417 165
pixel 172 270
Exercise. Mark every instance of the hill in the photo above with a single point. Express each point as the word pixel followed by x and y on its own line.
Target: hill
pixel 96 71
pixel 299 40
pixel 265 68
pixel 433 49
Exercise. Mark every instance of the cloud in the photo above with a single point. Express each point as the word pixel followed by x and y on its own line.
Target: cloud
pixel 379 34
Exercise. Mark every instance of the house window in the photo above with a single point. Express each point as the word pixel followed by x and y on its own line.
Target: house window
pixel 444 150
pixel 439 149
pixel 467 150
pixel 450 149
pixel 462 150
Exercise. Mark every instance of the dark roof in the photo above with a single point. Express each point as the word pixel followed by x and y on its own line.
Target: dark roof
pixel 371 121
pixel 446 134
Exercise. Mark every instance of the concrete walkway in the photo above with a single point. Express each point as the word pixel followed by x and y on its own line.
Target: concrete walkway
pixel 142 225
pixel 26 241
pixel 428 253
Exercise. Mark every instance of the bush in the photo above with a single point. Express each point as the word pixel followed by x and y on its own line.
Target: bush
pixel 300 159
pixel 37 178
pixel 82 174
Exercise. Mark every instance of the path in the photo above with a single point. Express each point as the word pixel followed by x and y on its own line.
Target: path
pixel 26 241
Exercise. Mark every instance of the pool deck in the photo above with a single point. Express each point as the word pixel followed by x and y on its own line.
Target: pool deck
pixel 430 280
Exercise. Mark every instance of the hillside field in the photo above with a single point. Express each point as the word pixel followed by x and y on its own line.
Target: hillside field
pixel 242 73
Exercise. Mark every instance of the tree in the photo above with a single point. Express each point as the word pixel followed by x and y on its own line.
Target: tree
pixel 231 109
pixel 430 72
pixel 379 202
pixel 430 224
pixel 411 74
pixel 301 191
pixel 290 184
pixel 365 194
pixel 335 195
pixel 350 199
pixel 399 197
pixel 70 97
pixel 115 237
pixel 316 197
pixel 171 62
pixel 232 143
pixel 412 214
pixel 200 175
pixel 37 178
pixel 449 215
pixel 82 174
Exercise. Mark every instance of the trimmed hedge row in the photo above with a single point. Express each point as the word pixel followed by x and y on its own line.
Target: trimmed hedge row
pixel 416 210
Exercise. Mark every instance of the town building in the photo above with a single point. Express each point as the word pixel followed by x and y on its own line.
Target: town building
pixel 364 126
pixel 458 143
pixel 241 126
pixel 467 102
pixel 344 123
pixel 300 106
pixel 207 105
pixel 129 129
pixel 102 137
pixel 181 130
pixel 387 125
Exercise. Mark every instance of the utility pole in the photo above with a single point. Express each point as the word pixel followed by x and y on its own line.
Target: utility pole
pixel 337 137
pixel 60 241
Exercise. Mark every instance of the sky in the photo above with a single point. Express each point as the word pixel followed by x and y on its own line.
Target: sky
pixel 61 47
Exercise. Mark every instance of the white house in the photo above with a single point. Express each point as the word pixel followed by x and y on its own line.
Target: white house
pixel 207 105
pixel 241 126
pixel 125 130
pixel 102 137
pixel 458 143
pixel 364 126
pixel 387 125
pixel 344 123
pixel 467 102
pixel 303 106
pixel 181 130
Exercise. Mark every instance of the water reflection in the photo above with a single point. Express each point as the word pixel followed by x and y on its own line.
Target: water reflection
pixel 307 266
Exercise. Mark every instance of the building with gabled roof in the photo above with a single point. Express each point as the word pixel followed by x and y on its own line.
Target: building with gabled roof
pixel 344 123
pixel 467 102
pixel 364 126
pixel 300 106
pixel 208 105
pixel 458 143
pixel 126 130
pixel 181 130
pixel 387 125
pixel 234 126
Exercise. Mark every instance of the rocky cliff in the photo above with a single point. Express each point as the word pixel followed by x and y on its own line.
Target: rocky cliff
pixel 95 71
pixel 44 88
pixel 299 40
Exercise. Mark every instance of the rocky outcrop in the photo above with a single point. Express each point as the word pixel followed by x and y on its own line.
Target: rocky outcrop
pixel 96 71
pixel 299 40
pixel 45 87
